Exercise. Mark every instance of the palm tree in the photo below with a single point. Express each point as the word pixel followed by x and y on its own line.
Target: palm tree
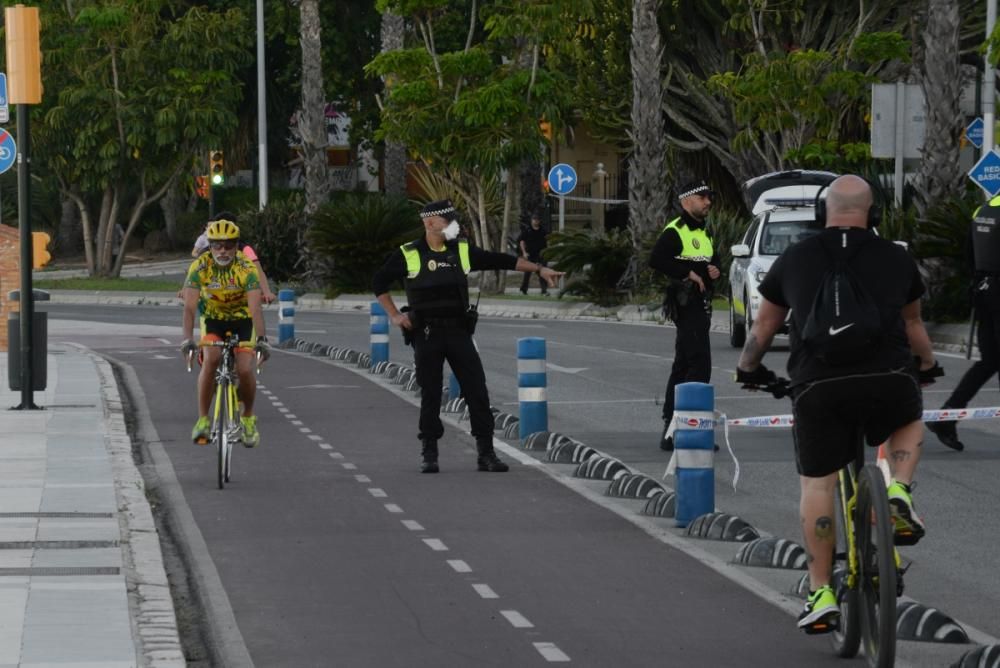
pixel 394 161
pixel 647 192
pixel 311 118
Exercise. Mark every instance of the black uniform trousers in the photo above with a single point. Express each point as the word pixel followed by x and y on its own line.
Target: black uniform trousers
pixel 692 351
pixel 988 335
pixel 432 345
pixel 526 281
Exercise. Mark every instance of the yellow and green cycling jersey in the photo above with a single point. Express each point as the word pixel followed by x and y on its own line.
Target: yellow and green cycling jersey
pixel 223 289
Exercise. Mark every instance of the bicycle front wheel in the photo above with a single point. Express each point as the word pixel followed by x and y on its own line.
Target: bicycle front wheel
pixel 225 424
pixel 846 638
pixel 876 568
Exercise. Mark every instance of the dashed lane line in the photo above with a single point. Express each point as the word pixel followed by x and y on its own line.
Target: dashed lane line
pixel 377 492
pixel 326 446
pixel 516 619
pixel 349 466
pixel 362 478
pixel 459 566
pixel 550 652
pixel 412 525
pixel 336 455
pixel 485 591
pixel 393 508
pixel 436 544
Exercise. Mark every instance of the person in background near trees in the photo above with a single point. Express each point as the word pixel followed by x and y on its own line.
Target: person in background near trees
pixel 116 242
pixel 531 244
pixel 684 253
pixel 439 323
pixel 201 245
pixel 983 254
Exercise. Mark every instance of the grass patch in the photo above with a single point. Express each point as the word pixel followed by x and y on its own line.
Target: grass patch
pixel 108 284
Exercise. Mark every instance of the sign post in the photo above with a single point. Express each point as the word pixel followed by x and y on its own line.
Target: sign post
pixel 562 180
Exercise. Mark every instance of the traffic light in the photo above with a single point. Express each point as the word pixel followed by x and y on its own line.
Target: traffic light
pixel 216 171
pixel 546 129
pixel 39 249
pixel 201 186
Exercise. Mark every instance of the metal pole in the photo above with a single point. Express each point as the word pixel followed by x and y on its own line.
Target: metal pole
pixel 989 81
pixel 261 111
pixel 27 308
pixel 562 213
pixel 898 176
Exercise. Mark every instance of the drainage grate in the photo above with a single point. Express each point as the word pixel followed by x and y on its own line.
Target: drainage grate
pixel 55 544
pixel 61 570
pixel 68 515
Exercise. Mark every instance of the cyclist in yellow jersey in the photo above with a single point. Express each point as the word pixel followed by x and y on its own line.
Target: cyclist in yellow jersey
pixel 229 287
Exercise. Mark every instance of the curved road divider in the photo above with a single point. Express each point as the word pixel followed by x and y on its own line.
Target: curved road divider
pixel 722 526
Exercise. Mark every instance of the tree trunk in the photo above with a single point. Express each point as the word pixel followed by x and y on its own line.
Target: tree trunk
pixel 394 160
pixel 312 115
pixel 70 232
pixel 940 174
pixel 647 191
pixel 532 199
pixel 171 204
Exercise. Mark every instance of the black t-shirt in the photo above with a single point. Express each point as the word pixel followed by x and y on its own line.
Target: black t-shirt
pixel 534 240
pixel 885 269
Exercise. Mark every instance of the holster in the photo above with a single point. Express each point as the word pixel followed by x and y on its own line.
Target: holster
pixel 408 333
pixel 471 319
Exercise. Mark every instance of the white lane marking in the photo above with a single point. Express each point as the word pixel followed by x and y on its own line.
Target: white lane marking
pixel 297 423
pixel 377 493
pixel 412 525
pixel 164 342
pixel 290 416
pixel 393 508
pixel 326 446
pixel 436 545
pixel 305 430
pixel 565 369
pixel 550 652
pixel 285 410
pixel 319 386
pixel 517 620
pixel 349 466
pixel 485 591
pixel 314 437
pixel 276 403
pixel 459 566
pixel 263 391
pixel 362 478
pixel 336 455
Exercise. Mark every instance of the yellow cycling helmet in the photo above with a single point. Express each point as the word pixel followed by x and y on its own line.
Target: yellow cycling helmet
pixel 222 230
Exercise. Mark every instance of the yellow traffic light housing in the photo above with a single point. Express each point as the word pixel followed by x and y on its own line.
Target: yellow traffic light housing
pixel 216 169
pixel 39 249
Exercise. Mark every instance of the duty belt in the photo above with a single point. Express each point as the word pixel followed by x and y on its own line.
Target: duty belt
pixel 457 321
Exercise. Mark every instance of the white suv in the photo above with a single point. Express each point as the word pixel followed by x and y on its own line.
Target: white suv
pixel 783 210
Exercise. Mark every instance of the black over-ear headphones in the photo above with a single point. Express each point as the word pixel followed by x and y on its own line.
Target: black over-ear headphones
pixel 874 211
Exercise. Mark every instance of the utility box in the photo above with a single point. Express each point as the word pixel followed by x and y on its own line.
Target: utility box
pixel 39 344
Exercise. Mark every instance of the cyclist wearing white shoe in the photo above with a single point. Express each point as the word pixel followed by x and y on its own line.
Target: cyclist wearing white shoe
pixel 228 285
pixel 877 394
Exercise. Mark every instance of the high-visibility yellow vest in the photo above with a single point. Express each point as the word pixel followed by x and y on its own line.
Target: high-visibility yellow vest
pixel 696 246
pixel 413 264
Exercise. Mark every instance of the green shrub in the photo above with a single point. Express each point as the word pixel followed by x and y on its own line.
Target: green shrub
pixel 593 264
pixel 940 244
pixel 276 234
pixel 355 234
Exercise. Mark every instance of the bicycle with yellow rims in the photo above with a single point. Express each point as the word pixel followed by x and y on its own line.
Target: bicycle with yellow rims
pixel 226 428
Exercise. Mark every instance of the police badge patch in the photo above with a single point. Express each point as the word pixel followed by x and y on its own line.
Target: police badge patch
pixel 432 265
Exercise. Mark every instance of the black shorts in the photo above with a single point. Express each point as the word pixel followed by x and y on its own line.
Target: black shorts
pixel 830 413
pixel 215 330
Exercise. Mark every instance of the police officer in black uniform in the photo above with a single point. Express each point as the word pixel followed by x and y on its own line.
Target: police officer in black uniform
pixel 684 252
pixel 440 323
pixel 984 254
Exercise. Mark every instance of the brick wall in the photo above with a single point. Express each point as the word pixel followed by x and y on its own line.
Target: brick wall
pixel 10 276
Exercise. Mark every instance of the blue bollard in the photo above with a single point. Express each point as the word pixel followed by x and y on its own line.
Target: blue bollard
pixel 379 334
pixel 694 448
pixel 532 386
pixel 454 390
pixel 286 315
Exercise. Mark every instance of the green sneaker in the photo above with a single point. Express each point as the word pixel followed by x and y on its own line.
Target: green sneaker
pixel 201 432
pixel 821 614
pixel 251 437
pixel 907 525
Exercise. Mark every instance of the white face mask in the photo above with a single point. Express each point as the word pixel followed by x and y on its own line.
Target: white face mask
pixel 451 232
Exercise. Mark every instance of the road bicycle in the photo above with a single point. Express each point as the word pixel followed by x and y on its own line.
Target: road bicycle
pixel 226 430
pixel 867 569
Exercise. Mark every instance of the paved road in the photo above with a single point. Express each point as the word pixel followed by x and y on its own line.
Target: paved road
pixel 603 383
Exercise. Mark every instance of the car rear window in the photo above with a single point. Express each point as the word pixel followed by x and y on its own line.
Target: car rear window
pixel 777 236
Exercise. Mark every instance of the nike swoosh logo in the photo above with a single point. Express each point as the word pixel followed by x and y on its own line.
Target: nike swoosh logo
pixel 834 331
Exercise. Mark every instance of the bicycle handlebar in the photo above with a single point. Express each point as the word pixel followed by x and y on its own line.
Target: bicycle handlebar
pixel 778 388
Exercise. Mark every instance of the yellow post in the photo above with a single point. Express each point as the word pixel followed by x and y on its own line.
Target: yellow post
pixel 24 56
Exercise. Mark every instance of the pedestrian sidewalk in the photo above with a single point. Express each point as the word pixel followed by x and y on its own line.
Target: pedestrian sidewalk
pixel 82 582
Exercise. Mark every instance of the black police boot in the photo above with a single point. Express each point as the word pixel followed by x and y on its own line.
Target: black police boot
pixel 488 460
pixel 429 453
pixel 947 434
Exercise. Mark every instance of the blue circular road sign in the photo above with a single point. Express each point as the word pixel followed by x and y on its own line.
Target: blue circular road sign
pixel 562 179
pixel 8 151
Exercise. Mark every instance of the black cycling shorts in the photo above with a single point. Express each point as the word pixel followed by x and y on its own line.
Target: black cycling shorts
pixel 829 414
pixel 216 330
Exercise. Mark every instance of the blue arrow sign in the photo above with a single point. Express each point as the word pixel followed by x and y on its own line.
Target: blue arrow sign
pixel 8 151
pixel 562 179
pixel 4 109
pixel 986 173
pixel 974 133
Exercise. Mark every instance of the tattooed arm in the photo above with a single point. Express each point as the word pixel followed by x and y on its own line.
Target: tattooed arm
pixel 769 320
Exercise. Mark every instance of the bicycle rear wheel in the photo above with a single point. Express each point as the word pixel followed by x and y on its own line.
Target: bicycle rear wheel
pixel 846 638
pixel 877 568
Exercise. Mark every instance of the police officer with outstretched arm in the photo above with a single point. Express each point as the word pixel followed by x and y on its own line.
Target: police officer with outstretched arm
pixel 984 255
pixel 684 252
pixel 440 323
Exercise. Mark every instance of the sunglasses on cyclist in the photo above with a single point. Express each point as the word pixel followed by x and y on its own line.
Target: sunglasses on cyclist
pixel 222 245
